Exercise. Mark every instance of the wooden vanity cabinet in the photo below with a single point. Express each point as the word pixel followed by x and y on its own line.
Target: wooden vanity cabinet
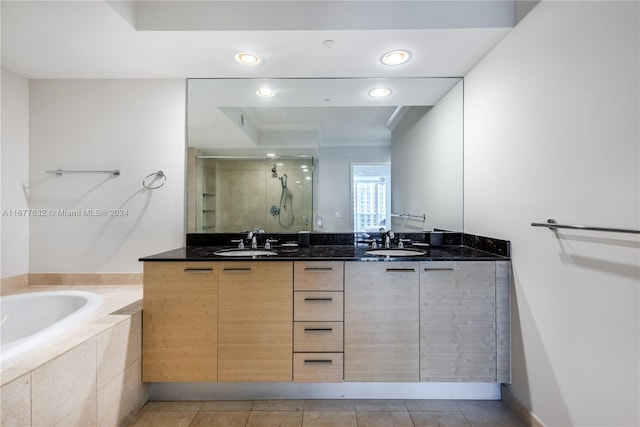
pixel 381 341
pixel 458 321
pixel 180 301
pixel 255 315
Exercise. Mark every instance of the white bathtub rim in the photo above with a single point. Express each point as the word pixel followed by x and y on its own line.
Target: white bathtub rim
pixel 58 329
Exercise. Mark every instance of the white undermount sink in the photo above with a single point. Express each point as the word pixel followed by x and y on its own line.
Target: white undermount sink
pixel 245 252
pixel 396 252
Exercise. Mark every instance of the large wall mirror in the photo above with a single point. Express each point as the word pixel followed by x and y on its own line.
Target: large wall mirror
pixel 324 155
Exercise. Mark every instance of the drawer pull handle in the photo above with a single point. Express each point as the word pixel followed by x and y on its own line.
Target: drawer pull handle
pixel 439 269
pixel 237 269
pixel 198 270
pixel 318 330
pixel 318 269
pixel 318 299
pixel 401 270
pixel 318 362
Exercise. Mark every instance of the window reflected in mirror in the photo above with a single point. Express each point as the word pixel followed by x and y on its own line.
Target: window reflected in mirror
pixel 371 196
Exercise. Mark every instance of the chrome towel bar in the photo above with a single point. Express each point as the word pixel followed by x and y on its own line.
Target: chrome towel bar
pixel 60 172
pixel 422 217
pixel 553 225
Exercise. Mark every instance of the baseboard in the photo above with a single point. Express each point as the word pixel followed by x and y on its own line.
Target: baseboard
pixel 14 283
pixel 90 279
pixel 346 390
pixel 522 411
pixel 23 281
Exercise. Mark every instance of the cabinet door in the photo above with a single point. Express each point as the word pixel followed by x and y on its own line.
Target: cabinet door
pixel 457 321
pixel 180 321
pixel 255 336
pixel 381 321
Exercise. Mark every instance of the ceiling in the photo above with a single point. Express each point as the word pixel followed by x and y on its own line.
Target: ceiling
pixel 95 39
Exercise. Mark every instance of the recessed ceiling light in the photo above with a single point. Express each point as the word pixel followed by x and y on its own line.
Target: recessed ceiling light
pixel 271 155
pixel 246 58
pixel 396 57
pixel 265 92
pixel 328 44
pixel 380 92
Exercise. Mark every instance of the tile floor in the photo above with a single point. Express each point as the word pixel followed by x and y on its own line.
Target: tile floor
pixel 327 413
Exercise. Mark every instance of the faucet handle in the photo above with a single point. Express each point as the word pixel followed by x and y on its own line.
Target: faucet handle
pixel 268 243
pixel 240 243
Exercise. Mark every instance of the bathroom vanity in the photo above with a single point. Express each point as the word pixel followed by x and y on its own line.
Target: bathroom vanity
pixel 327 314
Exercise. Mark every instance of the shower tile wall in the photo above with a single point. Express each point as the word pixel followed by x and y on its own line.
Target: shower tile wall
pixel 242 193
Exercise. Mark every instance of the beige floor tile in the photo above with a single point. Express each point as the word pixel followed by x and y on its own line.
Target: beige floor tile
pixel 427 405
pixel 384 419
pixel 274 419
pixel 278 405
pixel 162 419
pixel 380 405
pixel 220 419
pixel 439 419
pixel 329 419
pixel 480 405
pixel 330 405
pixel 493 417
pixel 227 405
pixel 172 406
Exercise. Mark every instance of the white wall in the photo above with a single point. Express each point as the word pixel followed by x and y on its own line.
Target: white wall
pixel 552 131
pixel 334 178
pixel 14 153
pixel 137 126
pixel 426 171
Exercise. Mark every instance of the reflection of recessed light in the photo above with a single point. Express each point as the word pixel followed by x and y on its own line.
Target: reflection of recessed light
pixel 396 57
pixel 265 92
pixel 247 58
pixel 308 178
pixel 380 92
pixel 271 155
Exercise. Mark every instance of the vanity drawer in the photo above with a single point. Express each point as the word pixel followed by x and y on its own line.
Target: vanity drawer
pixel 318 367
pixel 318 336
pixel 242 272
pixel 318 275
pixel 318 306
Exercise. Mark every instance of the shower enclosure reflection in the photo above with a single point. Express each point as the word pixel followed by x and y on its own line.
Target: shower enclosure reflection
pixel 236 194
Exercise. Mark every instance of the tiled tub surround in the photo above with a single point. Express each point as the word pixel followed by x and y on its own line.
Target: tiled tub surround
pixel 87 377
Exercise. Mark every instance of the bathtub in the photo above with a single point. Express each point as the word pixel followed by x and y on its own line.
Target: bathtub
pixel 28 320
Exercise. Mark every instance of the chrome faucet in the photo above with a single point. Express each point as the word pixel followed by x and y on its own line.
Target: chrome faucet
pixel 387 239
pixel 267 245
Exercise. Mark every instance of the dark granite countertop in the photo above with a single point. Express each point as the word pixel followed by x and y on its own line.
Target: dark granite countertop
pixel 326 253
